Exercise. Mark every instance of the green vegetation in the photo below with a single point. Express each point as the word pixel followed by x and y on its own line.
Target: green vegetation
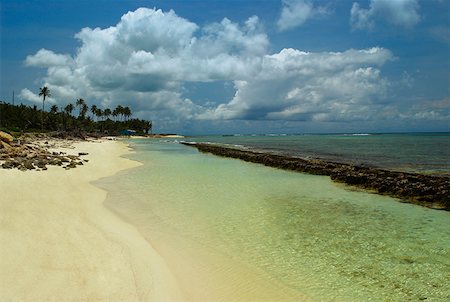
pixel 22 118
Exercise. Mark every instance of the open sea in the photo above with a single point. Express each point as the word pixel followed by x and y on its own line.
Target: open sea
pixel 427 153
pixel 246 232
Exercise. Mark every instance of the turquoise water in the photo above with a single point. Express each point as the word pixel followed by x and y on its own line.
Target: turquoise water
pixel 247 232
pixel 414 152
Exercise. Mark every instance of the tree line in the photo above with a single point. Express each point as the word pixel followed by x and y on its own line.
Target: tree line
pixel 72 117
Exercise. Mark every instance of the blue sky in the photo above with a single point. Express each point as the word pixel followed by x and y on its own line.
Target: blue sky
pixel 270 66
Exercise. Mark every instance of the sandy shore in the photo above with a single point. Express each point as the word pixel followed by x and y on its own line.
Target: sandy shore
pixel 59 243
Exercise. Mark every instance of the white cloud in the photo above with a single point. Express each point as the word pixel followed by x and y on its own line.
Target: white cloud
pixel 296 12
pixel 47 58
pixel 403 13
pixel 147 58
pixel 26 94
pixel 296 85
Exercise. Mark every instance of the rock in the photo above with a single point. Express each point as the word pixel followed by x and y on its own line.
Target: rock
pixel 31 155
pixel 71 166
pixel 55 162
pixel 6 146
pixel 82 153
pixel 6 137
pixel 9 164
pixel 41 164
pixel 28 164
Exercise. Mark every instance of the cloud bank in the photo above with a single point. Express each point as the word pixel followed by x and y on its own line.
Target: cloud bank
pixel 149 57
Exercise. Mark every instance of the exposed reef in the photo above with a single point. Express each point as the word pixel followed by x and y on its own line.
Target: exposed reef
pixel 425 190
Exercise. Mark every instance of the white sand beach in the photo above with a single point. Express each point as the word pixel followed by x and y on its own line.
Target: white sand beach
pixel 59 243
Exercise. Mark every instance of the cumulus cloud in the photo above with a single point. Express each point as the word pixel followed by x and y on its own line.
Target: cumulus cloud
pixel 148 57
pixel 47 58
pixel 26 94
pixel 296 12
pixel 403 13
pixel 296 85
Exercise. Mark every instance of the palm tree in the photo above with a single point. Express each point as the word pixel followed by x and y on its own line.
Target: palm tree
pixel 44 92
pixel 80 102
pixel 98 113
pixel 115 113
pixel 68 109
pixel 54 109
pixel 119 110
pixel 127 112
pixel 107 113
pixel 84 110
pixel 93 111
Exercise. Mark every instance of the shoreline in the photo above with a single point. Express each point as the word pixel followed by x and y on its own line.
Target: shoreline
pixel 60 243
pixel 424 190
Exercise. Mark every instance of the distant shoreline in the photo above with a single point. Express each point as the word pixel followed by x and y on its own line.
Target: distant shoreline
pixel 425 190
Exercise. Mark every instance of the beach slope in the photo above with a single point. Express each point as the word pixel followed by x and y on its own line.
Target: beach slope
pixel 59 243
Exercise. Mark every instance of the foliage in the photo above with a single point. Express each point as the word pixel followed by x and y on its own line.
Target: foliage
pixel 22 118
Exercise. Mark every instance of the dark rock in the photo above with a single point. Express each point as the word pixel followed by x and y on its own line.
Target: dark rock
pixel 28 164
pixel 41 164
pixel 9 164
pixel 71 165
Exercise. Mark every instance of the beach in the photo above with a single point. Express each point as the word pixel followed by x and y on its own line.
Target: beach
pixel 59 243
pixel 168 223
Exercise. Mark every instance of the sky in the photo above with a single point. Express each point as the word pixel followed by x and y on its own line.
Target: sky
pixel 224 67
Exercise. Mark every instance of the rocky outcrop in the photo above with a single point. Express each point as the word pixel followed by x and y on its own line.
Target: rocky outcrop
pixel 32 153
pixel 426 190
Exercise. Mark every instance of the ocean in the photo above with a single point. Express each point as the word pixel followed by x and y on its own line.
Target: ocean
pixel 427 153
pixel 246 232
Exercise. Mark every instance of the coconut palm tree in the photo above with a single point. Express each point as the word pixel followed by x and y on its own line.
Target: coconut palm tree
pixel 54 109
pixel 44 92
pixel 127 112
pixel 84 110
pixel 80 102
pixel 98 113
pixel 107 113
pixel 115 113
pixel 93 110
pixel 119 110
pixel 68 109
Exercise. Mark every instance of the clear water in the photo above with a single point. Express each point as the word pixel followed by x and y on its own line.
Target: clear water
pixel 415 152
pixel 251 233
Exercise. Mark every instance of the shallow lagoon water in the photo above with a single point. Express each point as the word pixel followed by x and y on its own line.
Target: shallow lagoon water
pixel 246 232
